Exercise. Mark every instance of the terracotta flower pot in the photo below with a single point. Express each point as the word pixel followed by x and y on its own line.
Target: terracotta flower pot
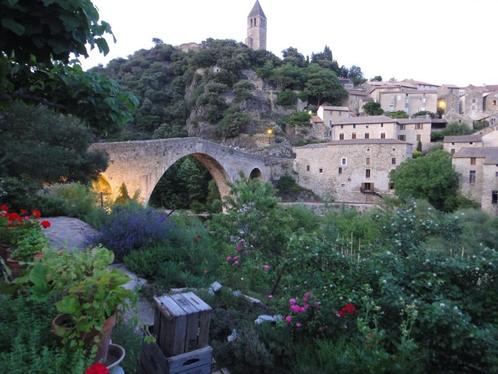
pixel 62 324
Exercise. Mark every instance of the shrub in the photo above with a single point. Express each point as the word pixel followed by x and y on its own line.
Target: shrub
pixel 71 199
pixel 130 227
pixel 286 98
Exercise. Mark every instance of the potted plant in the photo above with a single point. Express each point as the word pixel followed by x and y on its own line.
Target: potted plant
pixel 90 295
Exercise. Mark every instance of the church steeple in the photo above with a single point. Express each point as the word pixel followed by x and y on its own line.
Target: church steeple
pixel 256 27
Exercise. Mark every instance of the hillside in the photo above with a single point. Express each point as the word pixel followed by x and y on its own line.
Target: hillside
pixel 223 90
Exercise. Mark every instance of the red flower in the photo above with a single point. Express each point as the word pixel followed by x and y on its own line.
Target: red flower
pixel 36 213
pixel 349 308
pixel 97 368
pixel 23 212
pixel 12 217
pixel 4 208
pixel 45 224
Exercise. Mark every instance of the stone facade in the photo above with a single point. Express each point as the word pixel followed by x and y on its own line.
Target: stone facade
pixel 478 170
pixel 409 101
pixel 256 28
pixel 350 170
pixel 356 100
pixel 331 114
pixel 140 164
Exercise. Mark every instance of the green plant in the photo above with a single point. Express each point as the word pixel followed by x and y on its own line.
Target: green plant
pixel 89 292
pixel 71 199
pixel 29 244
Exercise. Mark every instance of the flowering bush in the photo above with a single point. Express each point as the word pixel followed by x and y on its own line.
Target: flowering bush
pixel 130 227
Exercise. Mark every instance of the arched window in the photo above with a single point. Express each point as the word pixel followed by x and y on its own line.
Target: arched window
pixel 251 22
pixel 255 22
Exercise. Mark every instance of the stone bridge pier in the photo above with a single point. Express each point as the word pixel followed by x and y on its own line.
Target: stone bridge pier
pixel 140 164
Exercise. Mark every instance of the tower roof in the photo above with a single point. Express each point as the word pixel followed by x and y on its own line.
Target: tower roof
pixel 257 10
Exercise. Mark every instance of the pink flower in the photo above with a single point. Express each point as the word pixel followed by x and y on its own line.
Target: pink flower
pixel 292 301
pixel 239 246
pixel 229 259
pixel 306 297
pixel 236 263
pixel 299 325
pixel 266 267
pixel 270 296
pixel 296 308
pixel 288 319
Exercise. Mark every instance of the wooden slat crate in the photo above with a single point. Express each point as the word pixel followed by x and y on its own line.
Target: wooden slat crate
pixel 181 323
pixel 153 361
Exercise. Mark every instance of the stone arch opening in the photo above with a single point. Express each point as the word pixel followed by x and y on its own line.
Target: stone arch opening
pixel 255 174
pixel 177 172
pixel 102 188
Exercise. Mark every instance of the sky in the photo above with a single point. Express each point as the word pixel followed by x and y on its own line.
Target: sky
pixel 436 41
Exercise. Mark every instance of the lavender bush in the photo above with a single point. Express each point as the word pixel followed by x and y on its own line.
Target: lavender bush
pixel 132 227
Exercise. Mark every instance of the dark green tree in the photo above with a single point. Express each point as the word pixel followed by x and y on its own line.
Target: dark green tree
pixel 322 86
pixel 373 109
pixel 356 75
pixel 292 55
pixel 430 177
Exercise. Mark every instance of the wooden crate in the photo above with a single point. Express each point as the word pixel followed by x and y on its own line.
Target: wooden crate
pixel 153 361
pixel 181 323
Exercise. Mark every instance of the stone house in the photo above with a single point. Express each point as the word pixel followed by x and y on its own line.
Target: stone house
pixel 354 170
pixel 382 127
pixel 478 169
pixel 408 100
pixel 319 130
pixel 487 137
pixel 356 100
pixel 330 114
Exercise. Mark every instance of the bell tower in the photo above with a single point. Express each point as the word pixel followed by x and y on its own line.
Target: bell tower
pixel 256 28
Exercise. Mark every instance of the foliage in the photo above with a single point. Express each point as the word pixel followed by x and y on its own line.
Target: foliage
pixel 40 146
pixel 286 98
pixel 439 185
pixel 187 259
pixel 453 128
pixel 67 28
pixel 297 119
pixel 26 343
pixel 130 227
pixel 70 199
pixel 373 109
pixel 233 123
pixel 397 114
pixel 185 183
pixel 87 291
pixel 322 86
pixel 125 335
pixel 356 75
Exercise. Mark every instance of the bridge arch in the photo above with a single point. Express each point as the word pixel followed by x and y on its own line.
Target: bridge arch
pixel 141 164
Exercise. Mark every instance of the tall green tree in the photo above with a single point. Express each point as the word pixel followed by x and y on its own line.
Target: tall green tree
pixel 430 177
pixel 322 86
pixel 373 109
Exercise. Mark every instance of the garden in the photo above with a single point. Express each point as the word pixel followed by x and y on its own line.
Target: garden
pixel 403 287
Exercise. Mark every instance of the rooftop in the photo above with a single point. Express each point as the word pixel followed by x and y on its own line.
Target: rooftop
pixel 349 142
pixel 365 120
pixel 463 138
pixel 336 108
pixel 316 119
pixel 490 154
pixel 407 121
pixel 257 10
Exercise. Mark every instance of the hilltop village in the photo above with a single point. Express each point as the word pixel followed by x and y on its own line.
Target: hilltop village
pixel 357 150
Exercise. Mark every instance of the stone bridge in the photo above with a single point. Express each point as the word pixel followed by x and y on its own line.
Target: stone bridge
pixel 140 164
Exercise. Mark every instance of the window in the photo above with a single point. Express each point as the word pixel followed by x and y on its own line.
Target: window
pixel 472 160
pixel 320 170
pixel 472 176
pixel 342 126
pixel 419 138
pixel 354 126
pixel 393 160
pixel 353 135
pixel 494 102
pixel 496 174
pixel 391 185
pixel 418 126
pixel 366 126
pixel 254 22
pixel 307 168
pixel 402 127
pixel 367 135
pixel 381 125
pixel 367 173
pixel 494 197
pixel 382 135
pixel 367 161
pixel 340 170
pixel 402 137
pixel 344 161
pixel 366 187
pixel 452 151
pixel 471 143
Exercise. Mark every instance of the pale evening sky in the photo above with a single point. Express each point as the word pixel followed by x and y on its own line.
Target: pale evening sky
pixel 439 41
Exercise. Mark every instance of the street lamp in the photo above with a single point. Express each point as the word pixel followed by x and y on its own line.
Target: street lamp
pixel 269 131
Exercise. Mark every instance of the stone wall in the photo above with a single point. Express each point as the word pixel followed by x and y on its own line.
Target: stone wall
pixel 337 171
